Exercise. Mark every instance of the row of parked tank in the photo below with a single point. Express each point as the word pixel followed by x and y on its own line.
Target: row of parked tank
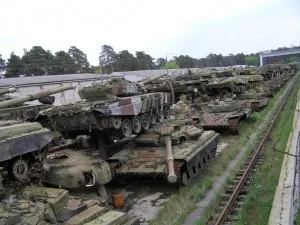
pixel 164 127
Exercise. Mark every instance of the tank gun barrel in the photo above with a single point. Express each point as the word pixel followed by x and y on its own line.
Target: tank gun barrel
pixel 172 178
pixel 32 97
pixel 7 90
pixel 151 79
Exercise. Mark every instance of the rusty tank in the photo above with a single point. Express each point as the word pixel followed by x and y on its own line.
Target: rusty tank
pixel 116 109
pixel 175 152
pixel 218 115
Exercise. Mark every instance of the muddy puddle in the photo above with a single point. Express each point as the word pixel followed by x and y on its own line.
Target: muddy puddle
pixel 144 200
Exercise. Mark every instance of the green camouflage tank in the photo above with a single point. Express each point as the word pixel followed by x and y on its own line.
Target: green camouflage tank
pixel 118 108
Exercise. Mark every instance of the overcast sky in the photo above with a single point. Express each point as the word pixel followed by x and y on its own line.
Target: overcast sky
pixel 158 27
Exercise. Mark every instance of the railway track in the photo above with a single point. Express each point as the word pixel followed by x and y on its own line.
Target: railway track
pixel 232 201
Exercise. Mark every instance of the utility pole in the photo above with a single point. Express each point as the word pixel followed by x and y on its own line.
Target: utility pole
pixel 101 72
pixel 167 62
pixel 167 65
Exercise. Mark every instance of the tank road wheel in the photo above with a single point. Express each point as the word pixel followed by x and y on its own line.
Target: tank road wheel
pixel 200 164
pixel 214 153
pixel 184 178
pixel 167 112
pixel 126 128
pixel 161 117
pixel 145 121
pixel 20 170
pixel 206 158
pixel 238 127
pixel 153 116
pixel 210 155
pixel 136 124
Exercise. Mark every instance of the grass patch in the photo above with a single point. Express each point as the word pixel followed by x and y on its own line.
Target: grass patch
pixel 181 204
pixel 259 200
pixel 297 218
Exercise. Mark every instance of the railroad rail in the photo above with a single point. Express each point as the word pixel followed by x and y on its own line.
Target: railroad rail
pixel 243 176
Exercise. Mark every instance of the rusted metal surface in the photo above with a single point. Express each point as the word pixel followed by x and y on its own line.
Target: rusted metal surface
pixel 224 114
pixel 152 159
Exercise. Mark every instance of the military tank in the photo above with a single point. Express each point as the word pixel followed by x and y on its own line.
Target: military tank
pixel 114 110
pixel 222 115
pixel 22 143
pixel 21 147
pixel 174 152
pixel 207 86
pixel 276 76
pixel 15 109
pixel 190 88
pixel 233 84
pixel 257 100
pixel 249 88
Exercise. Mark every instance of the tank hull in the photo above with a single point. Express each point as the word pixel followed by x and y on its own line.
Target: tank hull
pixel 22 145
pixel 151 162
pixel 84 117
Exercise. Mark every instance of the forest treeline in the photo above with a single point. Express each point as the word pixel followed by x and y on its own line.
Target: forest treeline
pixel 38 61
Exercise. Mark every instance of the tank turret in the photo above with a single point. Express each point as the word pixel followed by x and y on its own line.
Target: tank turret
pixel 117 87
pixel 151 80
pixel 224 114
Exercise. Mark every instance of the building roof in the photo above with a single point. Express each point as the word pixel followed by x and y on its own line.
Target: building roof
pixel 133 76
pixel 36 80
